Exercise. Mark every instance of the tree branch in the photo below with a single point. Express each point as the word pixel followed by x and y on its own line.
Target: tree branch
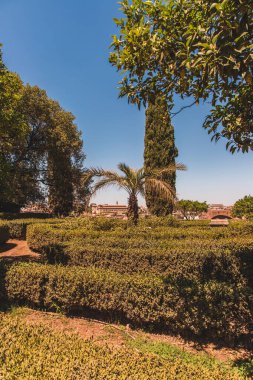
pixel 183 108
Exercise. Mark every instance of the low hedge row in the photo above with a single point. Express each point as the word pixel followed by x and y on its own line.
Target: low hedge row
pixel 39 236
pixel 49 241
pixel 118 228
pixel 18 228
pixel 228 260
pixel 4 233
pixel 138 236
pixel 213 309
pixel 24 215
pixel 39 353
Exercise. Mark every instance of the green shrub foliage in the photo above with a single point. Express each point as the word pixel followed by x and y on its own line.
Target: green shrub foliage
pixel 221 254
pixel 244 207
pixel 160 151
pixel 212 309
pixel 187 278
pixel 18 227
pixel 37 352
pixel 229 261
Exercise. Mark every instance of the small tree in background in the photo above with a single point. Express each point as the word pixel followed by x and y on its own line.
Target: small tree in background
pixel 160 151
pixel 243 208
pixel 191 209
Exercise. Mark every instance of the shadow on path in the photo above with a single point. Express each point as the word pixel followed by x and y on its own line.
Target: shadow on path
pixel 17 250
pixel 7 247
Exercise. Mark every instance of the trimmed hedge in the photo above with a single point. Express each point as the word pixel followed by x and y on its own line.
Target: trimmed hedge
pixel 231 261
pixel 4 233
pixel 17 228
pixel 39 353
pixel 2 284
pixel 24 215
pixel 49 241
pixel 211 310
pixel 38 235
pixel 223 259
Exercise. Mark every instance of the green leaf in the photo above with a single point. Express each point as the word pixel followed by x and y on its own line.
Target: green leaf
pixel 216 6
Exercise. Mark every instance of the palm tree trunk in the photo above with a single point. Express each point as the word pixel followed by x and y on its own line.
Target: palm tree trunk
pixel 133 209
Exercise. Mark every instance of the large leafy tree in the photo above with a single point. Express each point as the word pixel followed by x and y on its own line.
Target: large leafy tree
pixel 202 50
pixel 55 147
pixel 41 155
pixel 160 151
pixel 82 194
pixel 13 132
pixel 243 207
pixel 134 183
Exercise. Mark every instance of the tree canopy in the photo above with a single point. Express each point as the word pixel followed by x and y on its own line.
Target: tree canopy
pixel 41 157
pixel 201 50
pixel 191 209
pixel 243 207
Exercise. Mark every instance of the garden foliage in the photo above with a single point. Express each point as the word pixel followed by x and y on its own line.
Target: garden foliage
pixel 213 309
pixel 37 352
pixel 188 278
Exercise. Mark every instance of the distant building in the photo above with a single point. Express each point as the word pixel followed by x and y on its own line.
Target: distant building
pixel 215 211
pixel 39 208
pixel 106 210
pixel 113 211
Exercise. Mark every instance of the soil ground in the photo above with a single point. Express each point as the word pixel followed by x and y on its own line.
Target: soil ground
pixel 117 336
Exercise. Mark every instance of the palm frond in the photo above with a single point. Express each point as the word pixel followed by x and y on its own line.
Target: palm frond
pixel 135 181
pixel 106 182
pixel 130 174
pixel 140 181
pixel 162 188
pixel 169 169
pixel 107 178
pixel 125 168
pixel 99 172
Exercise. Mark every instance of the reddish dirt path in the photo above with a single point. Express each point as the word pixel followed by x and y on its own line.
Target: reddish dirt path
pixel 17 250
pixel 117 336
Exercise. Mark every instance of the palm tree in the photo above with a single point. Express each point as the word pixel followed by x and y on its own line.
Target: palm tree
pixel 134 182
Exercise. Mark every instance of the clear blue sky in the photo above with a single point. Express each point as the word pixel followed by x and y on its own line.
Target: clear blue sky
pixel 63 47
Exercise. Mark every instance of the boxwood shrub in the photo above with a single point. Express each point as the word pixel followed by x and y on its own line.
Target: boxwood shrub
pixel 213 309
pixel 18 227
pixel 230 261
pixel 190 258
pixel 140 236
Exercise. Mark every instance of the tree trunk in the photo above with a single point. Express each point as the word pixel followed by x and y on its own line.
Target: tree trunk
pixel 133 209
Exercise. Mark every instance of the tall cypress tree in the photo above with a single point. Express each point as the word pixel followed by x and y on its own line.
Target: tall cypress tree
pixel 60 195
pixel 159 151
